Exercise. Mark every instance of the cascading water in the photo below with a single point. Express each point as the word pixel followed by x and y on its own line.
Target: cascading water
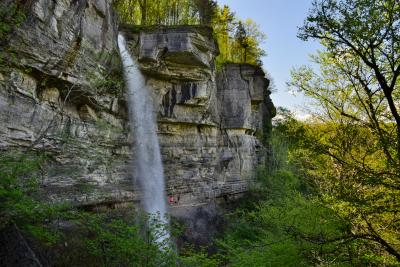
pixel 147 164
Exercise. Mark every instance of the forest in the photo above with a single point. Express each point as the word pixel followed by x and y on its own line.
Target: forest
pixel 328 190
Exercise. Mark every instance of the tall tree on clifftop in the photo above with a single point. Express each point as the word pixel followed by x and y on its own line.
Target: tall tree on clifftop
pixel 207 9
pixel 242 38
pixel 143 9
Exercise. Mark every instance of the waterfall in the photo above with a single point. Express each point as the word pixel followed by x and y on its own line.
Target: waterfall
pixel 147 164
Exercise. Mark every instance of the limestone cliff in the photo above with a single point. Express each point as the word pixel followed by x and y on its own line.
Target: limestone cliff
pixel 63 96
pixel 53 98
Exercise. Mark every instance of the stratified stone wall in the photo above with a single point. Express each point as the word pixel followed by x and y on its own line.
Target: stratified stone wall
pixel 51 101
pixel 207 120
pixel 55 99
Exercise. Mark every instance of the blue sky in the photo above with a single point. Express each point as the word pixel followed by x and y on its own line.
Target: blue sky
pixel 279 20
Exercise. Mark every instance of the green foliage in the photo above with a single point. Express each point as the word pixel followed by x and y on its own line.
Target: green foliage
pixel 353 144
pixel 87 238
pixel 239 41
pixel 128 239
pixel 101 239
pixel 20 202
pixel 109 84
pixel 326 157
pixel 11 16
pixel 276 233
pixel 192 258
pixel 361 65
pixel 102 82
pixel 292 217
pixel 282 225
pixel 16 182
pixel 119 242
pixel 162 12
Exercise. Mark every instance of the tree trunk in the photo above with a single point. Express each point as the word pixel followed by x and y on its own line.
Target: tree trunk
pixel 143 10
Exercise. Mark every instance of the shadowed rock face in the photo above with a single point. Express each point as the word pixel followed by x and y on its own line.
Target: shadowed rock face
pixel 51 100
pixel 15 251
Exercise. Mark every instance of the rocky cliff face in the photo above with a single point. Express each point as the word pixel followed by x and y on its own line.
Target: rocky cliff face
pixel 207 119
pixel 63 97
pixel 54 98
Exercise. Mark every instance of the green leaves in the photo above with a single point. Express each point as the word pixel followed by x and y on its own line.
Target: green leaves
pixel 238 41
pixel 355 139
pixel 10 16
pixel 285 223
pixel 20 199
pixel 162 12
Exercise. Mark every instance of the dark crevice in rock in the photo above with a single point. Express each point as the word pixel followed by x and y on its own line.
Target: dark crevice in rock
pixel 244 78
pixel 15 250
pixel 104 26
pixel 168 102
pixel 188 91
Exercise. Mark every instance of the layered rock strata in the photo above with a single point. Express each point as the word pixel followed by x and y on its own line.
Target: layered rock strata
pixel 64 96
pixel 56 97
pixel 209 121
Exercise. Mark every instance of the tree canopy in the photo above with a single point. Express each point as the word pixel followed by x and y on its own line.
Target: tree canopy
pixel 356 146
pixel 362 38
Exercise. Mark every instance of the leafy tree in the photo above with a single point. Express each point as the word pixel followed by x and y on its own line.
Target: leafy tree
pixel 238 41
pixel 20 198
pixel 255 37
pixel 224 24
pixel 207 9
pixel 282 221
pixel 128 11
pixel 242 38
pixel 356 137
pixel 163 12
pixel 363 38
pixel 143 10
pixel 114 240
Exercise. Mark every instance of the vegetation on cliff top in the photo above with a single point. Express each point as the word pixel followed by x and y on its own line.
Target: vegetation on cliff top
pixel 239 41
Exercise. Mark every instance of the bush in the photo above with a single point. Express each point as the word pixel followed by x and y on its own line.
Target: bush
pixel 20 199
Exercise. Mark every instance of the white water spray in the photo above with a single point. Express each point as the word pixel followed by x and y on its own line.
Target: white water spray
pixel 148 165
